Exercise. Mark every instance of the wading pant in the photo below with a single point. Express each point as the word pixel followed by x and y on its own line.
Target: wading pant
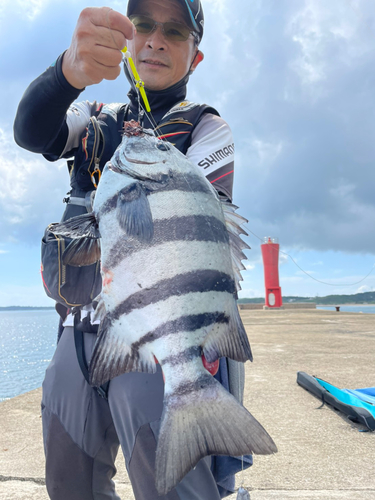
pixel 82 433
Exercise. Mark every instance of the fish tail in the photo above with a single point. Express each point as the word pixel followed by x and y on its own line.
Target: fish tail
pixel 202 419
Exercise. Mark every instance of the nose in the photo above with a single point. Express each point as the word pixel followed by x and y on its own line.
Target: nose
pixel 156 39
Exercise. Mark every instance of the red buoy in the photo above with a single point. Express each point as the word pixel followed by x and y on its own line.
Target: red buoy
pixel 270 254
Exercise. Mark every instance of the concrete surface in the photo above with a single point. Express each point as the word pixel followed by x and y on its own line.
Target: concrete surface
pixel 322 455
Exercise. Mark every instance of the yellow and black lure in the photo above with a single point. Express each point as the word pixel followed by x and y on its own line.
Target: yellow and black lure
pixel 138 82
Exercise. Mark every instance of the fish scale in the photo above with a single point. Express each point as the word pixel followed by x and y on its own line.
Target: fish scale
pixel 171 258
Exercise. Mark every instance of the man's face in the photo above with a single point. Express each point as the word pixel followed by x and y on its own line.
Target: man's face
pixel 161 62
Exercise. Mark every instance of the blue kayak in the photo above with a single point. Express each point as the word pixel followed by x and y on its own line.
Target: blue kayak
pixel 357 404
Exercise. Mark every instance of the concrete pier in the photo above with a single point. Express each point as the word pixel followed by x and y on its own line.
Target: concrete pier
pixel 322 455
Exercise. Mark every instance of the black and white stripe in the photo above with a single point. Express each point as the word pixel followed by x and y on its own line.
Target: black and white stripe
pixel 185 356
pixel 187 388
pixel 189 323
pixel 192 282
pixel 186 183
pixel 190 228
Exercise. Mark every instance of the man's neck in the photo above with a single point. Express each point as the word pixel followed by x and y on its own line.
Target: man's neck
pixel 161 101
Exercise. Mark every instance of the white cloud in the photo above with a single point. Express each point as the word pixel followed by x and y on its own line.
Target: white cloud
pixel 292 279
pixel 250 267
pixel 327 35
pixel 267 152
pixel 31 192
pixel 283 259
pixel 32 8
pixel 29 9
pixel 251 292
pixel 363 289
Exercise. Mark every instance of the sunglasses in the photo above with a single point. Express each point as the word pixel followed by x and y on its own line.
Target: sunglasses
pixel 176 32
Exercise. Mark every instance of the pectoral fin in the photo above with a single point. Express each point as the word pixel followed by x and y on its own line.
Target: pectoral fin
pixel 134 213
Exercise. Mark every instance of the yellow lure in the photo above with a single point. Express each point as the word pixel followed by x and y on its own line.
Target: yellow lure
pixel 139 84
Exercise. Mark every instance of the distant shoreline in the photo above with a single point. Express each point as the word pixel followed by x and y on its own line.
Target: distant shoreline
pixel 345 305
pixel 26 308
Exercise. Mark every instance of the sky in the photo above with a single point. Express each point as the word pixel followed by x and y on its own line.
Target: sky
pixel 294 79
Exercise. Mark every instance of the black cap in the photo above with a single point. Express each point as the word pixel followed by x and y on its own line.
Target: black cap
pixel 193 9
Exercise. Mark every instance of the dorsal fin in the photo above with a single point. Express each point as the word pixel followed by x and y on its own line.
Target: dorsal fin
pixel 233 222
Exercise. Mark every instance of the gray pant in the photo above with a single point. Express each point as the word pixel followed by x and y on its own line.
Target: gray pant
pixel 82 433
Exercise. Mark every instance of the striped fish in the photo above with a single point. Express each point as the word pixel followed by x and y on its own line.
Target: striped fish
pixel 171 257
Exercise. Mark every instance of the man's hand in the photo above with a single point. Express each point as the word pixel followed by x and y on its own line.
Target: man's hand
pixel 94 53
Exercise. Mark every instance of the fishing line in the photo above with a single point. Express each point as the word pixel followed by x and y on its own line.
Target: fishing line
pixel 149 115
pixel 309 275
pixel 242 473
pixel 137 83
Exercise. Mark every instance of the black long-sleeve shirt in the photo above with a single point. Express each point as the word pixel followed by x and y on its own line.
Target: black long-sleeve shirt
pixel 47 122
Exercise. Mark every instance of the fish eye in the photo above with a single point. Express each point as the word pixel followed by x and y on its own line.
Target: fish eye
pixel 162 146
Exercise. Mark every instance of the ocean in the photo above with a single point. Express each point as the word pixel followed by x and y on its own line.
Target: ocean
pixel 27 344
pixel 28 341
pixel 366 309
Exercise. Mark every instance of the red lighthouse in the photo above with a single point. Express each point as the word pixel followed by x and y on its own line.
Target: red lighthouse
pixel 270 254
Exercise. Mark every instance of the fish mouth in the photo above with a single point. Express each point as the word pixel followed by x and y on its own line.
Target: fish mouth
pixel 139 162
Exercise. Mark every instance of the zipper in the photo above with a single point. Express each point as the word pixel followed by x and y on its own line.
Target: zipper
pixel 63 268
pixel 62 276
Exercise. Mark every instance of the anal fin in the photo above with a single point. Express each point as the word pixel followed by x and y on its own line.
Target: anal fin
pixel 112 356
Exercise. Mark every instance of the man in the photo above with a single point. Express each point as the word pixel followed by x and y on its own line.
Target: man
pixel 81 430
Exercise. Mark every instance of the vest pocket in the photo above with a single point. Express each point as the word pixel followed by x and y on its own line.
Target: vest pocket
pixel 69 285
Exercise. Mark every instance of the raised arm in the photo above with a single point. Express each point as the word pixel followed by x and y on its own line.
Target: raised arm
pixel 43 123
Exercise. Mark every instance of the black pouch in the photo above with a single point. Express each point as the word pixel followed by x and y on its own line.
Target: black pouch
pixel 68 285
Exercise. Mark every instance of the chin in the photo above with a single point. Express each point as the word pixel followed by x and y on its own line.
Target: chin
pixel 152 85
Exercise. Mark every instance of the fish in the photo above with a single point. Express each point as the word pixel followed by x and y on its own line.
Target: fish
pixel 171 258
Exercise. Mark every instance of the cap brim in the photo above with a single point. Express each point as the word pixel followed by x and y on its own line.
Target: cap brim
pixel 133 3
pixel 191 16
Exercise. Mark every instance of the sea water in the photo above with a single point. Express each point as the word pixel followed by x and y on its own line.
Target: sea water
pixel 27 344
pixel 363 308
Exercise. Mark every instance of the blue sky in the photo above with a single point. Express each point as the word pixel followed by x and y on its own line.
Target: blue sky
pixel 294 79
